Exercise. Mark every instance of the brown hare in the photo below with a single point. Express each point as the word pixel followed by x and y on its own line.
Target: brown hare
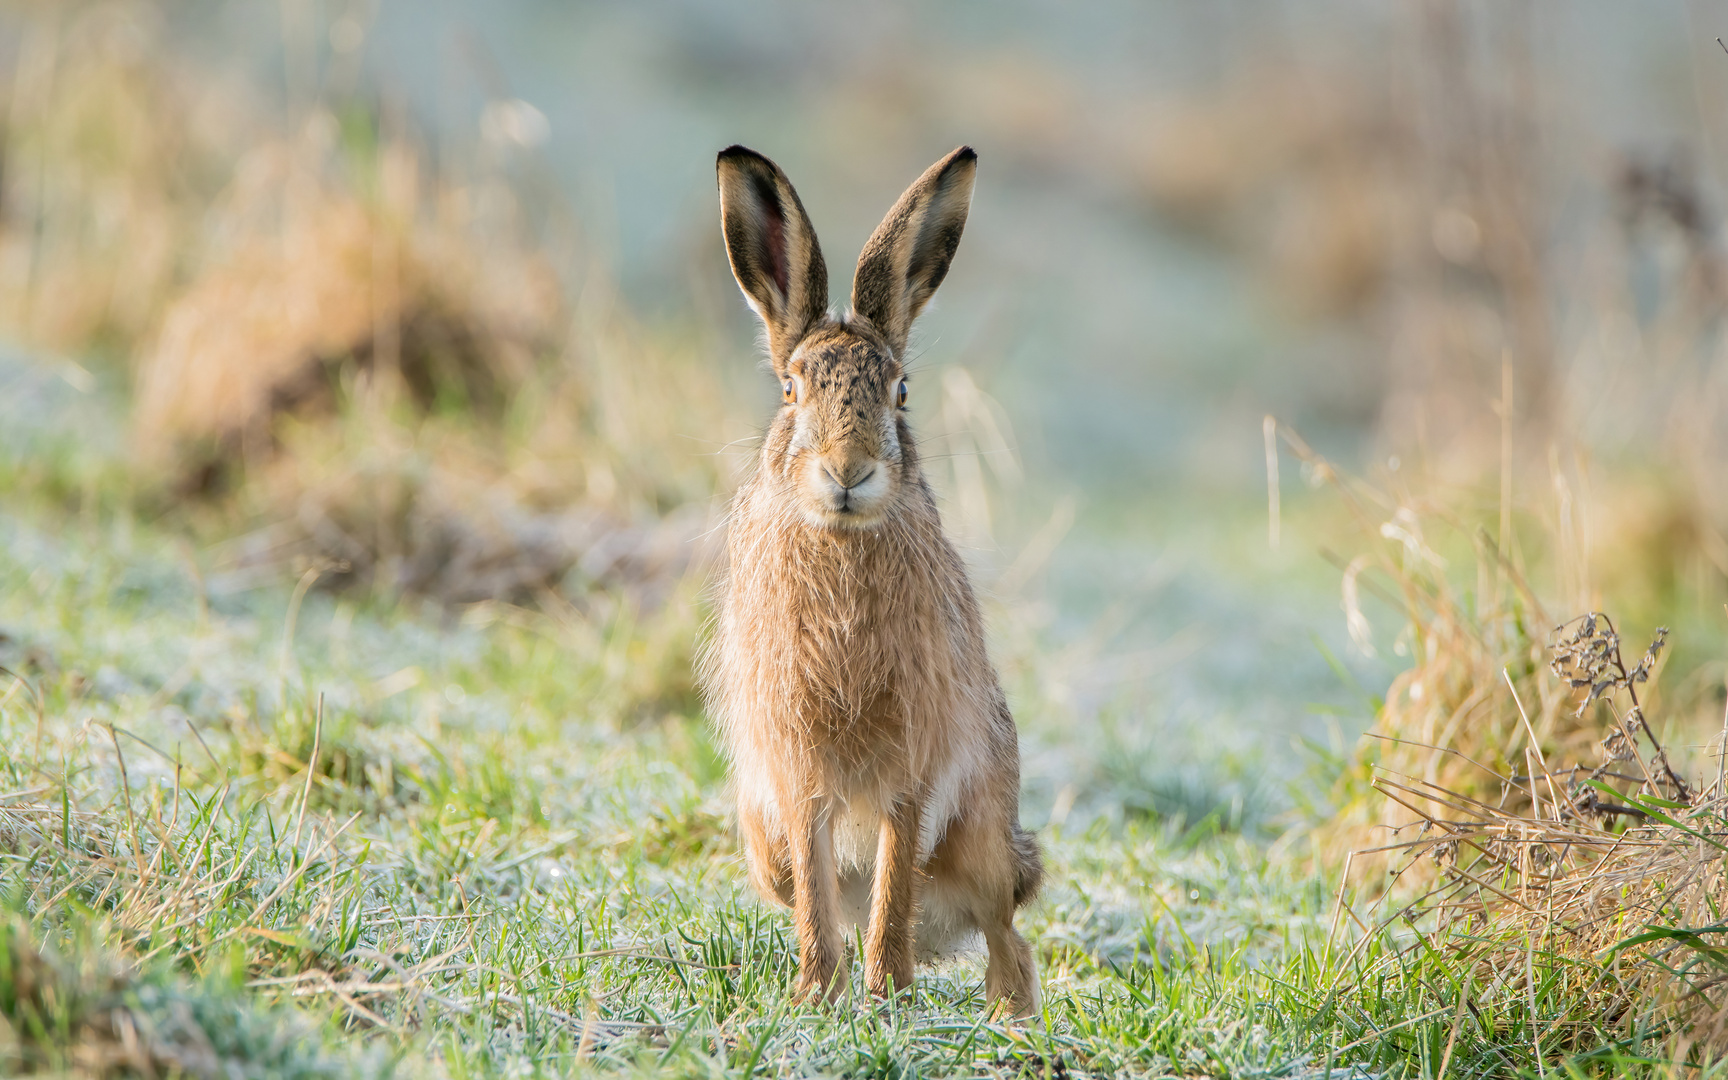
pixel 876 763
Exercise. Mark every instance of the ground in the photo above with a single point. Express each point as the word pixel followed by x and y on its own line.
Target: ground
pixel 514 859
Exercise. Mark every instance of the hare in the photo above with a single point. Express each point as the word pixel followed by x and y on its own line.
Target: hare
pixel 876 763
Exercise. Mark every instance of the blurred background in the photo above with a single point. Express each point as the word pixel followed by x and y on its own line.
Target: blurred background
pixel 425 303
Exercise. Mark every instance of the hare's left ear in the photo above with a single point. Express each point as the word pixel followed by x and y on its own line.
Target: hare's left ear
pixel 909 253
pixel 773 249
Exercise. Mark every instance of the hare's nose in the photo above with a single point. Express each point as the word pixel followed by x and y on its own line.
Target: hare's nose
pixel 850 474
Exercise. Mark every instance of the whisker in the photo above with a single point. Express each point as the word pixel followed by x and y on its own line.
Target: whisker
pixel 725 445
pixel 956 455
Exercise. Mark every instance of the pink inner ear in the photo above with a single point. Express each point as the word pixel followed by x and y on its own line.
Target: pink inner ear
pixel 775 241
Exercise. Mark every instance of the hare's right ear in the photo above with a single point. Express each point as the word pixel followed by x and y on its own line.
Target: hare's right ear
pixel 773 249
pixel 908 255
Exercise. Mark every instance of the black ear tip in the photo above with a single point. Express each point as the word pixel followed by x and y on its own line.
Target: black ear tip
pixel 737 154
pixel 965 153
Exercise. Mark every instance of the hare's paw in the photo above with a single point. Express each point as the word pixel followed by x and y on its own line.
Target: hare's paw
pixel 816 986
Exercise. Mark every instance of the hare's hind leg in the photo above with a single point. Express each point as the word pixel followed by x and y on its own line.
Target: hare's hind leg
pixel 766 852
pixel 893 901
pixel 981 867
pixel 1011 980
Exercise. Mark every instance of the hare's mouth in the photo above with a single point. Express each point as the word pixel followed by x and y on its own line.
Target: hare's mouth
pixel 846 520
pixel 855 505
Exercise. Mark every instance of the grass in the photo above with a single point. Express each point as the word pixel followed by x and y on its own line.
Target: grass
pixel 497 865
pixel 509 859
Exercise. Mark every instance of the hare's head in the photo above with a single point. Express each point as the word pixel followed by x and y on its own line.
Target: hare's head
pixel 839 450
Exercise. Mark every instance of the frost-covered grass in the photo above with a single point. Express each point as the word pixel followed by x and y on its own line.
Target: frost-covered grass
pixel 513 858
pixel 504 860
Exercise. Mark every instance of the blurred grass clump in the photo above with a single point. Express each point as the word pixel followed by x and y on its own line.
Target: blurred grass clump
pixel 361 361
pixel 95 1015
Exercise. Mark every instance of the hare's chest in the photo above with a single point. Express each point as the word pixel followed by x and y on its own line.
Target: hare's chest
pixel 841 618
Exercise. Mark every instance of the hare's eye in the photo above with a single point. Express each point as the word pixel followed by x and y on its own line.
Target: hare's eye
pixel 788 392
pixel 900 394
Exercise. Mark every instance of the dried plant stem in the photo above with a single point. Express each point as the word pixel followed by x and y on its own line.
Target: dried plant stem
pixel 126 794
pixel 1535 747
pixel 311 769
pixel 1273 522
pixel 1505 409
pixel 1338 905
pixel 1721 751
pixel 307 580
pixel 1452 1036
pixel 41 710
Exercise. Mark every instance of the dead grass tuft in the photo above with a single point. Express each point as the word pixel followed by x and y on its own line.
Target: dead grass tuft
pixel 100 189
pixel 309 283
pixel 99 1017
pixel 1311 175
pixel 390 391
pixel 1613 868
pixel 1517 815
pixel 1470 651
pixel 363 362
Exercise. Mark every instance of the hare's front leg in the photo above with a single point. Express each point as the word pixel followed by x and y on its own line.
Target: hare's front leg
pixel 893 901
pixel 815 897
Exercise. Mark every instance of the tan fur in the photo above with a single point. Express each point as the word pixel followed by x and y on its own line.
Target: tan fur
pixel 876 763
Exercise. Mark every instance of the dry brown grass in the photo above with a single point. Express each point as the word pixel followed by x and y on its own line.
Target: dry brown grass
pixel 366 364
pixel 1468 647
pixel 100 193
pixel 1311 175
pixel 401 400
pixel 1616 868
pixel 1524 809
pixel 309 276
pixel 1467 586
